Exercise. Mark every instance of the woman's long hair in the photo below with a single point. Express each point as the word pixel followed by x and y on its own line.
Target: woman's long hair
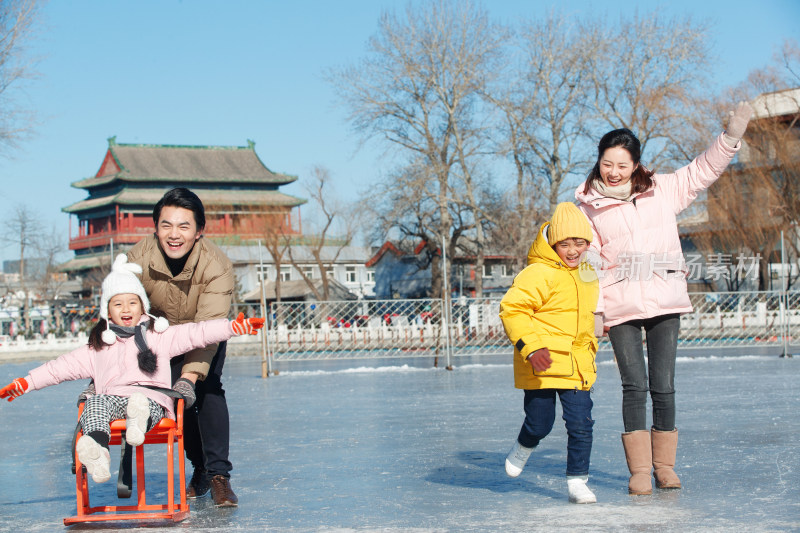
pixel 641 179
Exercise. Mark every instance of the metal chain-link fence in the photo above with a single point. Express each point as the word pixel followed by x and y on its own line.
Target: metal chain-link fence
pixel 740 318
pixel 409 328
pixel 362 329
pixel 356 329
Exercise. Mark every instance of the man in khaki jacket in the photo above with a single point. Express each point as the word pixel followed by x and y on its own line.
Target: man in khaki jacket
pixel 189 279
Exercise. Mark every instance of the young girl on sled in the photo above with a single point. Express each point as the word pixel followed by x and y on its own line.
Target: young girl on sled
pixel 126 352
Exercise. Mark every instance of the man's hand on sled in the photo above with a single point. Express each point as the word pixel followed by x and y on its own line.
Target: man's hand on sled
pixel 185 388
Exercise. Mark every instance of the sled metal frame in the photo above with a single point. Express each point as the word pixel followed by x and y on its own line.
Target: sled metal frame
pixel 167 432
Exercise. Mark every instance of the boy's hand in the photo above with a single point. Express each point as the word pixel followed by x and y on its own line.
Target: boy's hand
pixel 540 360
pixel 246 326
pixel 16 388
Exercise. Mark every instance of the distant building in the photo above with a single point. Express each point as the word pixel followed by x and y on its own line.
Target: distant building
pixel 407 274
pixel 33 267
pixel 781 107
pixel 350 277
pixel 240 194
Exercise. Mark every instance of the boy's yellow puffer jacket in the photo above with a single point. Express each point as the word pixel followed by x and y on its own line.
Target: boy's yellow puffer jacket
pixel 551 305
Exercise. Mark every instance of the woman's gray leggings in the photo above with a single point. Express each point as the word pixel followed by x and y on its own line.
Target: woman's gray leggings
pixel 658 377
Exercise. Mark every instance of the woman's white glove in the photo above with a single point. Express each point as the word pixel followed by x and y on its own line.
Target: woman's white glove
pixel 598 325
pixel 737 123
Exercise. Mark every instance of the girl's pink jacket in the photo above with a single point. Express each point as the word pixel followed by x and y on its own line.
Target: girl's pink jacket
pixel 643 271
pixel 115 368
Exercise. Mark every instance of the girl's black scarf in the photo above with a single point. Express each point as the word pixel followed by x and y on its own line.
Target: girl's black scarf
pixel 147 359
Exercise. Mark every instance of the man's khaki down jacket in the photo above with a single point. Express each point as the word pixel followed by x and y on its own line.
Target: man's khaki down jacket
pixel 202 291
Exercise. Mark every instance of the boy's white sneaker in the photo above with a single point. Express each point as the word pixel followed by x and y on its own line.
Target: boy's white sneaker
pixel 138 412
pixel 516 459
pixel 578 491
pixel 95 458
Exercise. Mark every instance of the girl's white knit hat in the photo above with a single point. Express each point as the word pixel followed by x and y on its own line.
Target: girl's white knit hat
pixel 123 280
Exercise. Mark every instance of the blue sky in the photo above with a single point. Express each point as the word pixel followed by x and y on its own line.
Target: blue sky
pixel 219 73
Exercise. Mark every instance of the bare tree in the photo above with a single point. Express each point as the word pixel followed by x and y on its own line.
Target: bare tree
pixel 429 88
pixel 774 166
pixel 741 226
pixel 575 79
pixel 50 247
pixel 322 244
pixel 39 254
pixel 22 229
pixel 472 209
pixel 544 127
pixel 419 89
pixel 276 238
pixel 772 146
pixel 17 24
pixel 754 201
pixel 545 109
pixel 513 232
pixel 647 75
pixel 405 203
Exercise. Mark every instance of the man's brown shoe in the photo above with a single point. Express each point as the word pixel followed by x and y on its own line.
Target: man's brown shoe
pixel 221 492
pixel 198 485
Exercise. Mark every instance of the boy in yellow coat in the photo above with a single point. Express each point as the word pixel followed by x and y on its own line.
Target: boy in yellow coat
pixel 548 314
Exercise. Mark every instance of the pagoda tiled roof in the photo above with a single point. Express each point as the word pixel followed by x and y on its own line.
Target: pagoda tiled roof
pixel 229 199
pixel 188 164
pixel 86 262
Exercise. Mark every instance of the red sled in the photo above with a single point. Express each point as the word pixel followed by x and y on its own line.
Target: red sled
pixel 167 432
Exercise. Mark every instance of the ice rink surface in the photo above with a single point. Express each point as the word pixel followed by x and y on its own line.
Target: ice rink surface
pixel 341 447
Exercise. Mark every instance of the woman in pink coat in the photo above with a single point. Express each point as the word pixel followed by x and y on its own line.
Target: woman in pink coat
pixel 633 212
pixel 127 354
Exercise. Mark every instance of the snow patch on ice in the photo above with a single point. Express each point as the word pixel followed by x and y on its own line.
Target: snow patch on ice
pixel 472 366
pixel 359 370
pixel 405 368
pixel 704 358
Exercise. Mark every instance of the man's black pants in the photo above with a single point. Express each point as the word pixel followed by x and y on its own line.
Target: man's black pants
pixel 206 424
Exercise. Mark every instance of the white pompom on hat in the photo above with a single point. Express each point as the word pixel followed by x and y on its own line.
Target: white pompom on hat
pixel 123 280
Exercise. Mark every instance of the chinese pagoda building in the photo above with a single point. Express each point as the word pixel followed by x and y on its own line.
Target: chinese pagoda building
pixel 240 194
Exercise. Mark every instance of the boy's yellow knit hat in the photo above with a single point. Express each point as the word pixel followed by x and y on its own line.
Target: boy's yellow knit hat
pixel 568 222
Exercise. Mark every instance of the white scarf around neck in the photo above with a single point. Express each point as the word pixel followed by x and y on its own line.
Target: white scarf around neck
pixel 620 192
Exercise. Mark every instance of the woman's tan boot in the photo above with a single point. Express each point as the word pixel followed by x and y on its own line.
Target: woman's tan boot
pixel 665 446
pixel 640 460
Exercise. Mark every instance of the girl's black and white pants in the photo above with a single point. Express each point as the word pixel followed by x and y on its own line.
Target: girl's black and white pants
pixel 99 410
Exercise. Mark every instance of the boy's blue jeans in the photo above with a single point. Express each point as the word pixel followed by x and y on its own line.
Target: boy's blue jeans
pixel 657 376
pixel 576 407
